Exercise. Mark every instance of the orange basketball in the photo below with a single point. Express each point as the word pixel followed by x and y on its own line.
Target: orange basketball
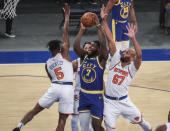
pixel 88 19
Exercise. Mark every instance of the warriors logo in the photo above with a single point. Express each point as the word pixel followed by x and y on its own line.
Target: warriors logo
pixel 124 12
pixel 88 75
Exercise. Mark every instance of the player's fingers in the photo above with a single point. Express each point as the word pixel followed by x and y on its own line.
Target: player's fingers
pixel 126 34
pixel 64 9
pixel 127 27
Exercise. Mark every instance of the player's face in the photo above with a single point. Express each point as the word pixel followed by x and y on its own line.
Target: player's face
pixel 127 56
pixel 94 47
pixel 87 48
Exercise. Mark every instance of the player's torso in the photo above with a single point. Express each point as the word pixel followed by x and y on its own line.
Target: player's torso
pixel 60 69
pixel 120 11
pixel 91 75
pixel 118 81
pixel 77 77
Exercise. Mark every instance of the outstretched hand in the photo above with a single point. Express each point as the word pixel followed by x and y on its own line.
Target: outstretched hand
pixel 131 31
pixel 103 14
pixel 66 9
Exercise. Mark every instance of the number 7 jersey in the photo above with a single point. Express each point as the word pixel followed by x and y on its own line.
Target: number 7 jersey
pixel 119 78
pixel 60 69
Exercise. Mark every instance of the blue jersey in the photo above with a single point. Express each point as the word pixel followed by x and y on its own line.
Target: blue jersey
pixel 120 11
pixel 91 75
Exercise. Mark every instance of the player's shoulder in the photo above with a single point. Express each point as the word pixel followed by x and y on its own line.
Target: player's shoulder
pixel 161 127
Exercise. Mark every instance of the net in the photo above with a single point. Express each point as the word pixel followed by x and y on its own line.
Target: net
pixel 9 9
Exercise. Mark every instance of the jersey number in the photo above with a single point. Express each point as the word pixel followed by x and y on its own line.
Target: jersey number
pixel 116 79
pixel 88 72
pixel 59 75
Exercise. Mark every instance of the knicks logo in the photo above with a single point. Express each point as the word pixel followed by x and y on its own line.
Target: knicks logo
pixel 88 75
pixel 124 12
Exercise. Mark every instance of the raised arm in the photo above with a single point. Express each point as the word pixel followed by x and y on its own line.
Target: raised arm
pixel 66 44
pixel 79 51
pixel 110 5
pixel 131 35
pixel 133 17
pixel 107 31
pixel 103 49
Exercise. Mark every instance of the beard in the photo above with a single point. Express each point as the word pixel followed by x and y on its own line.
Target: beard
pixel 93 53
pixel 124 59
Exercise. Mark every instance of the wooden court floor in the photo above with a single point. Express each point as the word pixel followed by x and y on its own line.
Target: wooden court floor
pixel 22 85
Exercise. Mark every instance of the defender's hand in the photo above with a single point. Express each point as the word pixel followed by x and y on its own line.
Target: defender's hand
pixel 131 31
pixel 103 14
pixel 66 9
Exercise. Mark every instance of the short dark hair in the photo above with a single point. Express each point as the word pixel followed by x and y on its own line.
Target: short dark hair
pixel 97 42
pixel 54 45
pixel 87 42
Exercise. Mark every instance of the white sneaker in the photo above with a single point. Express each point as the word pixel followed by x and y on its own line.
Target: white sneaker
pixel 9 35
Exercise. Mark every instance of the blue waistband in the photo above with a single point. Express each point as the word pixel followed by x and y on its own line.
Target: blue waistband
pixel 63 83
pixel 116 98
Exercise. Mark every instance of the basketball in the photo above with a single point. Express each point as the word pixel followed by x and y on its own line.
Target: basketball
pixel 88 19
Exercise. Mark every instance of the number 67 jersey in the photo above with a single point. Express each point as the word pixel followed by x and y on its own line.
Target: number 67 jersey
pixel 60 69
pixel 119 77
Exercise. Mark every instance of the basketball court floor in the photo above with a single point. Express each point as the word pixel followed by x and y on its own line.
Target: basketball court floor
pixel 23 84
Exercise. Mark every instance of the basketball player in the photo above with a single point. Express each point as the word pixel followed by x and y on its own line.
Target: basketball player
pixel 91 79
pixel 76 67
pixel 60 71
pixel 121 9
pixel 165 127
pixel 121 72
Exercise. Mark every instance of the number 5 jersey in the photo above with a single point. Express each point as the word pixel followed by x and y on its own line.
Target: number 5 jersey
pixel 60 69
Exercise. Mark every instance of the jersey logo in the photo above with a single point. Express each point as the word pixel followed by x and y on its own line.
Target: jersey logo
pixel 124 12
pixel 88 75
pixel 58 73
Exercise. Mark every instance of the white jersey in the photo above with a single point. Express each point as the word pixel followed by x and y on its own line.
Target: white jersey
pixel 77 77
pixel 60 69
pixel 119 77
pixel 168 126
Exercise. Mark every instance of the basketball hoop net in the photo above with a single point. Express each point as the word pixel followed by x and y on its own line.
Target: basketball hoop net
pixel 9 10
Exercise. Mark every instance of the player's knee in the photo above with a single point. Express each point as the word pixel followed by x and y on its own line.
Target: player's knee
pixel 97 124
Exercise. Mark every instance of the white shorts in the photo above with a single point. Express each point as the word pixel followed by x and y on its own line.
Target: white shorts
pixel 113 109
pixel 62 93
pixel 122 45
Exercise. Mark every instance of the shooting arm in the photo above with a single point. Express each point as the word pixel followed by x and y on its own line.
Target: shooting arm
pixel 79 51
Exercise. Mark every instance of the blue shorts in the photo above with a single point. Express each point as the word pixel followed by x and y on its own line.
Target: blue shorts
pixel 92 103
pixel 118 29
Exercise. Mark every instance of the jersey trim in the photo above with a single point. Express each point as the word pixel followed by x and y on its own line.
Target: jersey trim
pixel 99 63
pixel 118 3
pixel 95 117
pixel 92 92
pixel 122 42
pixel 113 30
pixel 84 111
pixel 120 21
pixel 114 66
pixel 129 73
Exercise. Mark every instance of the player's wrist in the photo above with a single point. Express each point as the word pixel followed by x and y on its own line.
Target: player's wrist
pixel 98 25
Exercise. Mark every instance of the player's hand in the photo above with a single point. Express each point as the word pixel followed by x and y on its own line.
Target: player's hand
pixel 76 98
pixel 82 26
pixel 131 31
pixel 66 9
pixel 103 14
